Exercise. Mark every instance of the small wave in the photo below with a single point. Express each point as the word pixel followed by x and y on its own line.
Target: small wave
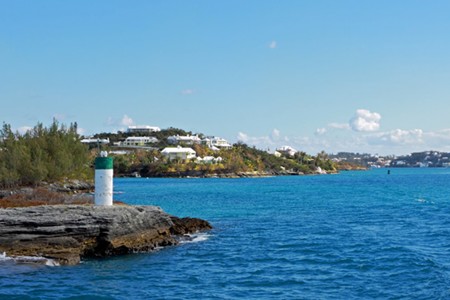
pixel 3 257
pixel 195 238
pixel 29 260
pixel 421 200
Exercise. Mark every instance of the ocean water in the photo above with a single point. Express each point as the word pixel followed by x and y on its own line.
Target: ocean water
pixel 355 235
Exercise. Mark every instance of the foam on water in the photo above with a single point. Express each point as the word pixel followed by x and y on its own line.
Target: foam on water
pixel 195 238
pixel 29 260
pixel 421 200
pixel 3 257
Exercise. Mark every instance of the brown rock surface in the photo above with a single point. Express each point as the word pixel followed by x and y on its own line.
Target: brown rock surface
pixel 68 233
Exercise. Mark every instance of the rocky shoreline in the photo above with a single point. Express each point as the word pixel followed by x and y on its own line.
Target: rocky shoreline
pixel 69 233
pixel 202 174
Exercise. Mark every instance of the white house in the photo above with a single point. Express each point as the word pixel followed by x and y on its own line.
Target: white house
pixel 287 150
pixel 216 143
pixel 138 141
pixel 178 153
pixel 94 141
pixel 143 129
pixel 209 160
pixel 119 152
pixel 277 154
pixel 400 163
pixel 185 139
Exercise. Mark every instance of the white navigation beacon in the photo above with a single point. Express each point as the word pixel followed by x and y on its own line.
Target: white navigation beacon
pixel 104 180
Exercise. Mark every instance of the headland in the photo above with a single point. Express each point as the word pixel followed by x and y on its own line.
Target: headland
pixel 69 233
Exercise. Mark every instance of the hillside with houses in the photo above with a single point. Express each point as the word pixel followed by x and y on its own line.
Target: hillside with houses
pixel 424 159
pixel 154 152
pixel 58 153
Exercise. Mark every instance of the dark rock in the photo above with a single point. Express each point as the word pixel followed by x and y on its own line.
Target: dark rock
pixel 182 226
pixel 68 233
pixel 72 186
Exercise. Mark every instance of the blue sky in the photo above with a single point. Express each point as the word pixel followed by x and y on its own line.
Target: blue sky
pixel 361 76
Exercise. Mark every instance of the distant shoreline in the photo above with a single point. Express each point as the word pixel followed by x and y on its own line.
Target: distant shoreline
pixel 197 174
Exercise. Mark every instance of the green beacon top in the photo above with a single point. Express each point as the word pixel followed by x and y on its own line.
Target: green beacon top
pixel 102 162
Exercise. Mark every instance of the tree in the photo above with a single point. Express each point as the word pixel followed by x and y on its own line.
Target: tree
pixel 42 154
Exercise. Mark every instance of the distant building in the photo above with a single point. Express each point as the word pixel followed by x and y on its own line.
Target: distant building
pixel 400 163
pixel 172 153
pixel 143 129
pixel 139 141
pixel 287 150
pixel 216 143
pixel 209 160
pixel 119 152
pixel 94 141
pixel 184 139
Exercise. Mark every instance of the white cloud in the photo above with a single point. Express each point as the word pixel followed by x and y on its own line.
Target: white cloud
pixel 263 142
pixel 311 145
pixel 275 136
pixel 398 141
pixel 339 125
pixel 187 92
pixel 401 141
pixel 320 131
pixel 441 135
pixel 24 129
pixel 438 139
pixel 273 44
pixel 81 131
pixel 111 122
pixel 59 117
pixel 242 137
pixel 259 141
pixel 126 121
pixel 365 121
pixel 397 137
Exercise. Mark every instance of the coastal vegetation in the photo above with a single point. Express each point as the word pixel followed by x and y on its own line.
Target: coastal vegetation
pixel 53 157
pixel 42 154
pixel 240 160
pixel 55 153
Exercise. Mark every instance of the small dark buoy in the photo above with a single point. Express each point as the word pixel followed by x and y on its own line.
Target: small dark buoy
pixel 389 172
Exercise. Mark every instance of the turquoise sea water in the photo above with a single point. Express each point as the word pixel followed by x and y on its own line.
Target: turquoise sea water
pixel 355 235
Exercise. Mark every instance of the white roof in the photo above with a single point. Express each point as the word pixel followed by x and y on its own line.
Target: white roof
pixel 93 140
pixel 184 137
pixel 143 127
pixel 178 150
pixel 210 158
pixel 139 138
pixel 286 148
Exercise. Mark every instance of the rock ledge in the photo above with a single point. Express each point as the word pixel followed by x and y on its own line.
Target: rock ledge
pixel 68 233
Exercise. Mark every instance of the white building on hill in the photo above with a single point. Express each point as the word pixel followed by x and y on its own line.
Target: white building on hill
pixel 172 153
pixel 183 139
pixel 139 141
pixel 209 160
pixel 216 142
pixel 143 129
pixel 287 150
pixel 94 141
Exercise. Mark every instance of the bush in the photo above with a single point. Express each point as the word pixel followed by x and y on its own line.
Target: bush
pixel 42 154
